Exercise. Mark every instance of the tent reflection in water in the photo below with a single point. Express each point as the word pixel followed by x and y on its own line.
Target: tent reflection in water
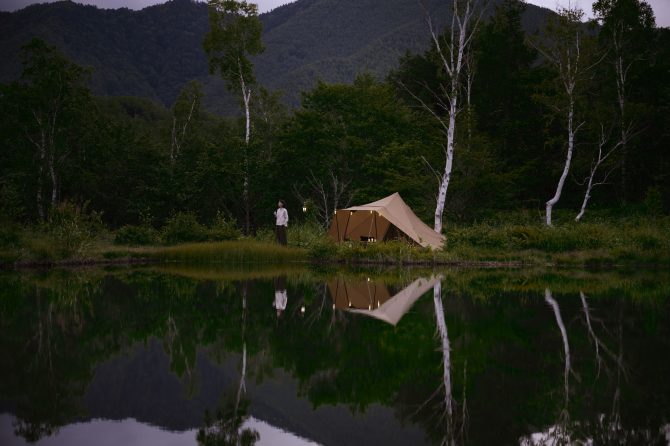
pixel 374 299
pixel 386 219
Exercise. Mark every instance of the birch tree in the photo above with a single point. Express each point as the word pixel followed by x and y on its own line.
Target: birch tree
pixel 566 50
pixel 184 113
pixel 452 49
pixel 604 153
pixel 48 103
pixel 234 36
pixel 328 197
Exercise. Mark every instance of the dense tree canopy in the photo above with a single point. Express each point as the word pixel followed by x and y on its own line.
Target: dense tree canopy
pixel 138 162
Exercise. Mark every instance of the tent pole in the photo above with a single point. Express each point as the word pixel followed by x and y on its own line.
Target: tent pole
pixel 337 225
pixel 347 225
pixel 376 236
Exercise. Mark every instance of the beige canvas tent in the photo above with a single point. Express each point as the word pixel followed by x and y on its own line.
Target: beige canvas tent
pixel 386 219
pixel 374 299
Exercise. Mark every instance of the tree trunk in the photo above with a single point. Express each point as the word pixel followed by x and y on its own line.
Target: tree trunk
pixel 40 199
pixel 246 95
pixel 568 160
pixel 446 176
pixel 54 180
pixel 621 99
pixel 452 56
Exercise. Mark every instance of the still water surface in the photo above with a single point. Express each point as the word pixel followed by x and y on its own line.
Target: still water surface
pixel 198 356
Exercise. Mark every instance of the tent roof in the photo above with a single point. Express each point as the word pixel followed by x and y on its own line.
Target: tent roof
pixel 395 210
pixel 395 308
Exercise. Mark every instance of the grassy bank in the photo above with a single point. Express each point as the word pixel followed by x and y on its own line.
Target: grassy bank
pixel 498 242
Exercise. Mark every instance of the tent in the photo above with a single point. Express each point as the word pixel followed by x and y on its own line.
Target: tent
pixel 386 219
pixel 373 299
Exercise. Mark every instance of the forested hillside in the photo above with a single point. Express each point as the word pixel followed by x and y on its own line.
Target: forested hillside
pixel 152 53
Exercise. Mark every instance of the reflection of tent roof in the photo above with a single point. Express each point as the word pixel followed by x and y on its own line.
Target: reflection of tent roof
pixel 373 299
pixel 383 219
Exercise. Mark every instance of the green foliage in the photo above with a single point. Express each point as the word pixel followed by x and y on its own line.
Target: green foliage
pixel 234 35
pixel 11 203
pixel 73 229
pixel 183 227
pixel 115 152
pixel 10 235
pixel 223 228
pixel 653 201
pixel 305 235
pixel 560 238
pixel 136 235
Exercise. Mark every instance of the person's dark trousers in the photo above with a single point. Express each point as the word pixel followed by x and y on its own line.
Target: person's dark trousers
pixel 281 235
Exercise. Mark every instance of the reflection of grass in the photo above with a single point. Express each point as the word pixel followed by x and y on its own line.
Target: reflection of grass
pixel 230 273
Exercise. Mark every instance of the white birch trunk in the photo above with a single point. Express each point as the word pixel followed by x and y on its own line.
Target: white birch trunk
pixel 566 167
pixel 40 179
pixel 446 176
pixel 246 96
pixel 621 75
pixel 601 158
pixel 452 57
pixel 54 179
pixel 564 54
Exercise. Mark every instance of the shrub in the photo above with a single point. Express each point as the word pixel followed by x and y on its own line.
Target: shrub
pixel 136 235
pixel 324 250
pixel 73 228
pixel 653 201
pixel 183 227
pixel 224 229
pixel 10 236
pixel 306 235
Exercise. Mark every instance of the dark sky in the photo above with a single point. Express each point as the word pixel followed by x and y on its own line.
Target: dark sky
pixel 661 7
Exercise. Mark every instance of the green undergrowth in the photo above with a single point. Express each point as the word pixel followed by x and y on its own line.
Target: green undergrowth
pixel 516 240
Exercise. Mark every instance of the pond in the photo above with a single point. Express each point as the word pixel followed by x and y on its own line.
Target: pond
pixel 298 356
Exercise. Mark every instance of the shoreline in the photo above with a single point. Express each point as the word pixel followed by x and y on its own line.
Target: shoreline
pixel 138 260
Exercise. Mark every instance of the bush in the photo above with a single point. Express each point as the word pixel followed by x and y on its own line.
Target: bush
pixel 224 229
pixel 10 236
pixel 324 250
pixel 182 228
pixel 306 235
pixel 653 201
pixel 73 228
pixel 136 236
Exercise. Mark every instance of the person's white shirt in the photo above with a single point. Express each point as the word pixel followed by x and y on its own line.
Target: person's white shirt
pixel 281 298
pixel 282 217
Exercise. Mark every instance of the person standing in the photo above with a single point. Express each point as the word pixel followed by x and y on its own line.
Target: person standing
pixel 281 215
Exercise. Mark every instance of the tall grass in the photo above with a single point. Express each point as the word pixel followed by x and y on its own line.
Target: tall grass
pixel 236 251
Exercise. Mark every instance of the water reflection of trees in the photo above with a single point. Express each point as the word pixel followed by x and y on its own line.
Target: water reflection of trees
pixel 452 420
pixel 225 428
pixel 56 335
pixel 606 427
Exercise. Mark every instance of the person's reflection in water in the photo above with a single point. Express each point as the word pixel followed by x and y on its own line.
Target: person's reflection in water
pixel 281 298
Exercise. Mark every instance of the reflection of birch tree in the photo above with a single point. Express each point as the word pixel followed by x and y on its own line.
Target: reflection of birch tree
pixel 227 426
pixel 561 434
pixel 454 431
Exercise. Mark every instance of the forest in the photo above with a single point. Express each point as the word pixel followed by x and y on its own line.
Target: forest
pixel 131 164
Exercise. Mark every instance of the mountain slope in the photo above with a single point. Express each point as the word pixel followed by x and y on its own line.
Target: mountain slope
pixel 155 51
